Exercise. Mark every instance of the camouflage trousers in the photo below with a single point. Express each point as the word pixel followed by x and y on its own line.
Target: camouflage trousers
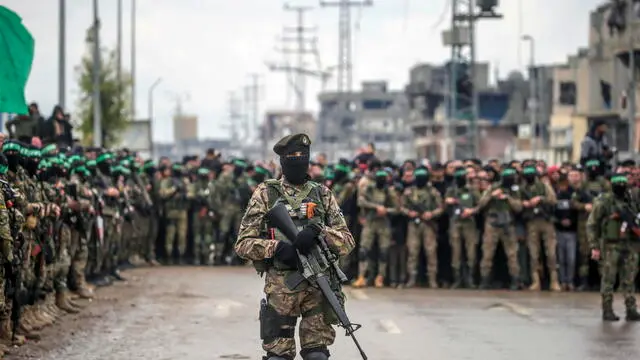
pixel 5 303
pixel 314 330
pixel 62 263
pixel 422 235
pixel 229 225
pixel 619 258
pixel 542 230
pixel 584 250
pixel 492 236
pixel 107 254
pixel 203 235
pixel 463 234
pixel 373 228
pixel 78 255
pixel 176 230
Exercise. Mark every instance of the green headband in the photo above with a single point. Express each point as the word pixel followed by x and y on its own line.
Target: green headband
pixel 508 172
pixel 104 157
pixel 11 146
pixel 148 165
pixel 343 168
pixel 263 171
pixel 619 179
pixel 461 172
pixel 49 149
pixel 240 163
pixel 203 171
pixel 529 170
pixel 591 163
pixel 3 169
pixel 421 172
pixel 91 163
pixel 381 173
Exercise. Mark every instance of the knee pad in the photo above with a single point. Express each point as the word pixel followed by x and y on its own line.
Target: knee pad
pixel 363 254
pixel 272 324
pixel 318 353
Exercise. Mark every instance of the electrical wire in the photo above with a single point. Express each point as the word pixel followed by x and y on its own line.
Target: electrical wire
pixel 443 16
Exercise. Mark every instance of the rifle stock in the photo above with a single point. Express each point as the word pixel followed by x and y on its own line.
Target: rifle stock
pixel 315 268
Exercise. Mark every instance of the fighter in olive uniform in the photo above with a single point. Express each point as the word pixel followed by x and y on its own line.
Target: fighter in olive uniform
pixel 500 203
pixel 610 229
pixel 423 205
pixel 462 205
pixel 174 194
pixel 274 254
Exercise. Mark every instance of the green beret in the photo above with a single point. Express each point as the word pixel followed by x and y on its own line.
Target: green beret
pixel 292 143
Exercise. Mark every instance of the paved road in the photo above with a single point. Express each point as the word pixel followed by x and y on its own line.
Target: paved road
pixel 211 313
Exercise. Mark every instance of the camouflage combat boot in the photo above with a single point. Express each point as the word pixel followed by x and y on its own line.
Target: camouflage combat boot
pixel 456 279
pixel 485 283
pixel 62 302
pixel 379 282
pixel 632 314
pixel 412 280
pixel 433 284
pixel 535 281
pixel 554 285
pixel 6 333
pixel 42 315
pixel 607 312
pixel 360 282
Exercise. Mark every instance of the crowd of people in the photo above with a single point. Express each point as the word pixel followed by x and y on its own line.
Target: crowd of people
pixel 72 217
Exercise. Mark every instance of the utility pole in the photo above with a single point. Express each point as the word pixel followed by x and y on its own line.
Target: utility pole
pixel 97 108
pixel 119 52
pixel 345 65
pixel 234 117
pixel 533 95
pixel 303 42
pixel 62 53
pixel 631 95
pixel 462 40
pixel 254 98
pixel 133 59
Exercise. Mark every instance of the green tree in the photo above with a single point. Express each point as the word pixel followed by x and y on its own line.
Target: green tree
pixel 115 98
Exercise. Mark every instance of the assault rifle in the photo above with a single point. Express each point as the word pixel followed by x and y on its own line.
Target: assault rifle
pixel 629 221
pixel 13 271
pixel 318 268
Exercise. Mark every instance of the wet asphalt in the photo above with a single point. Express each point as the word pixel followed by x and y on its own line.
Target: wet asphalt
pixel 212 313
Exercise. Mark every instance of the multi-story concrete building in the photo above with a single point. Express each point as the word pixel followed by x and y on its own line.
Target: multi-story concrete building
pixel 280 123
pixel 347 121
pixel 592 86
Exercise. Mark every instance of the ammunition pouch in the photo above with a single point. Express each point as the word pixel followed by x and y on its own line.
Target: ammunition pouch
pixel 500 219
pixel 274 326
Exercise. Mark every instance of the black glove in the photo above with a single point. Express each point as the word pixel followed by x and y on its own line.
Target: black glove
pixel 306 239
pixel 286 254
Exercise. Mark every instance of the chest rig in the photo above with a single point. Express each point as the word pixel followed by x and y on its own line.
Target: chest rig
pixel 305 207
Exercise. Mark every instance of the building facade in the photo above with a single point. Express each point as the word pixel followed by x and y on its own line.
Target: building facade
pixel 185 127
pixel 375 114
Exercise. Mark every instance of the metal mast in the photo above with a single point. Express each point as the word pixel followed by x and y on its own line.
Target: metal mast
pixel 463 91
pixel 345 65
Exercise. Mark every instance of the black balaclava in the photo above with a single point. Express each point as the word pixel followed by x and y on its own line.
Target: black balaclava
pixel 619 185
pixel 239 167
pixel 11 150
pixel 295 168
pixel 203 174
pixel 32 159
pixel 592 169
pixel 381 179
pixel 508 178
pixel 103 163
pixel 530 173
pixel 341 172
pixel 176 170
pixel 448 178
pixel 421 177
pixel 149 168
pixel 460 177
pixel 261 174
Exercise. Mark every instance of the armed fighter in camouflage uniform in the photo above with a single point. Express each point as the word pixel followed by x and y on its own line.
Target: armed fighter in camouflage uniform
pixel 206 203
pixel 175 194
pixel 377 201
pixel 6 252
pixel 274 255
pixel 234 194
pixel 500 203
pixel 462 205
pixel 614 240
pixel 538 204
pixel 583 199
pixel 423 205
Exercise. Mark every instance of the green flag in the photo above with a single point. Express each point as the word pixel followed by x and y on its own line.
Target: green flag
pixel 16 57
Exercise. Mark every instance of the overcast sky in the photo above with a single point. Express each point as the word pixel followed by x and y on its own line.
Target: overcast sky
pixel 203 49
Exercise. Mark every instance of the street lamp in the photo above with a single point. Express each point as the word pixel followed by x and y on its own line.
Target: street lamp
pixel 150 114
pixel 532 93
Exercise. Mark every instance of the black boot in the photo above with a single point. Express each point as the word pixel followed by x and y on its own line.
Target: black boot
pixel 117 275
pixel 584 284
pixel 485 284
pixel 469 282
pixel 632 315
pixel 456 279
pixel 515 284
pixel 609 315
